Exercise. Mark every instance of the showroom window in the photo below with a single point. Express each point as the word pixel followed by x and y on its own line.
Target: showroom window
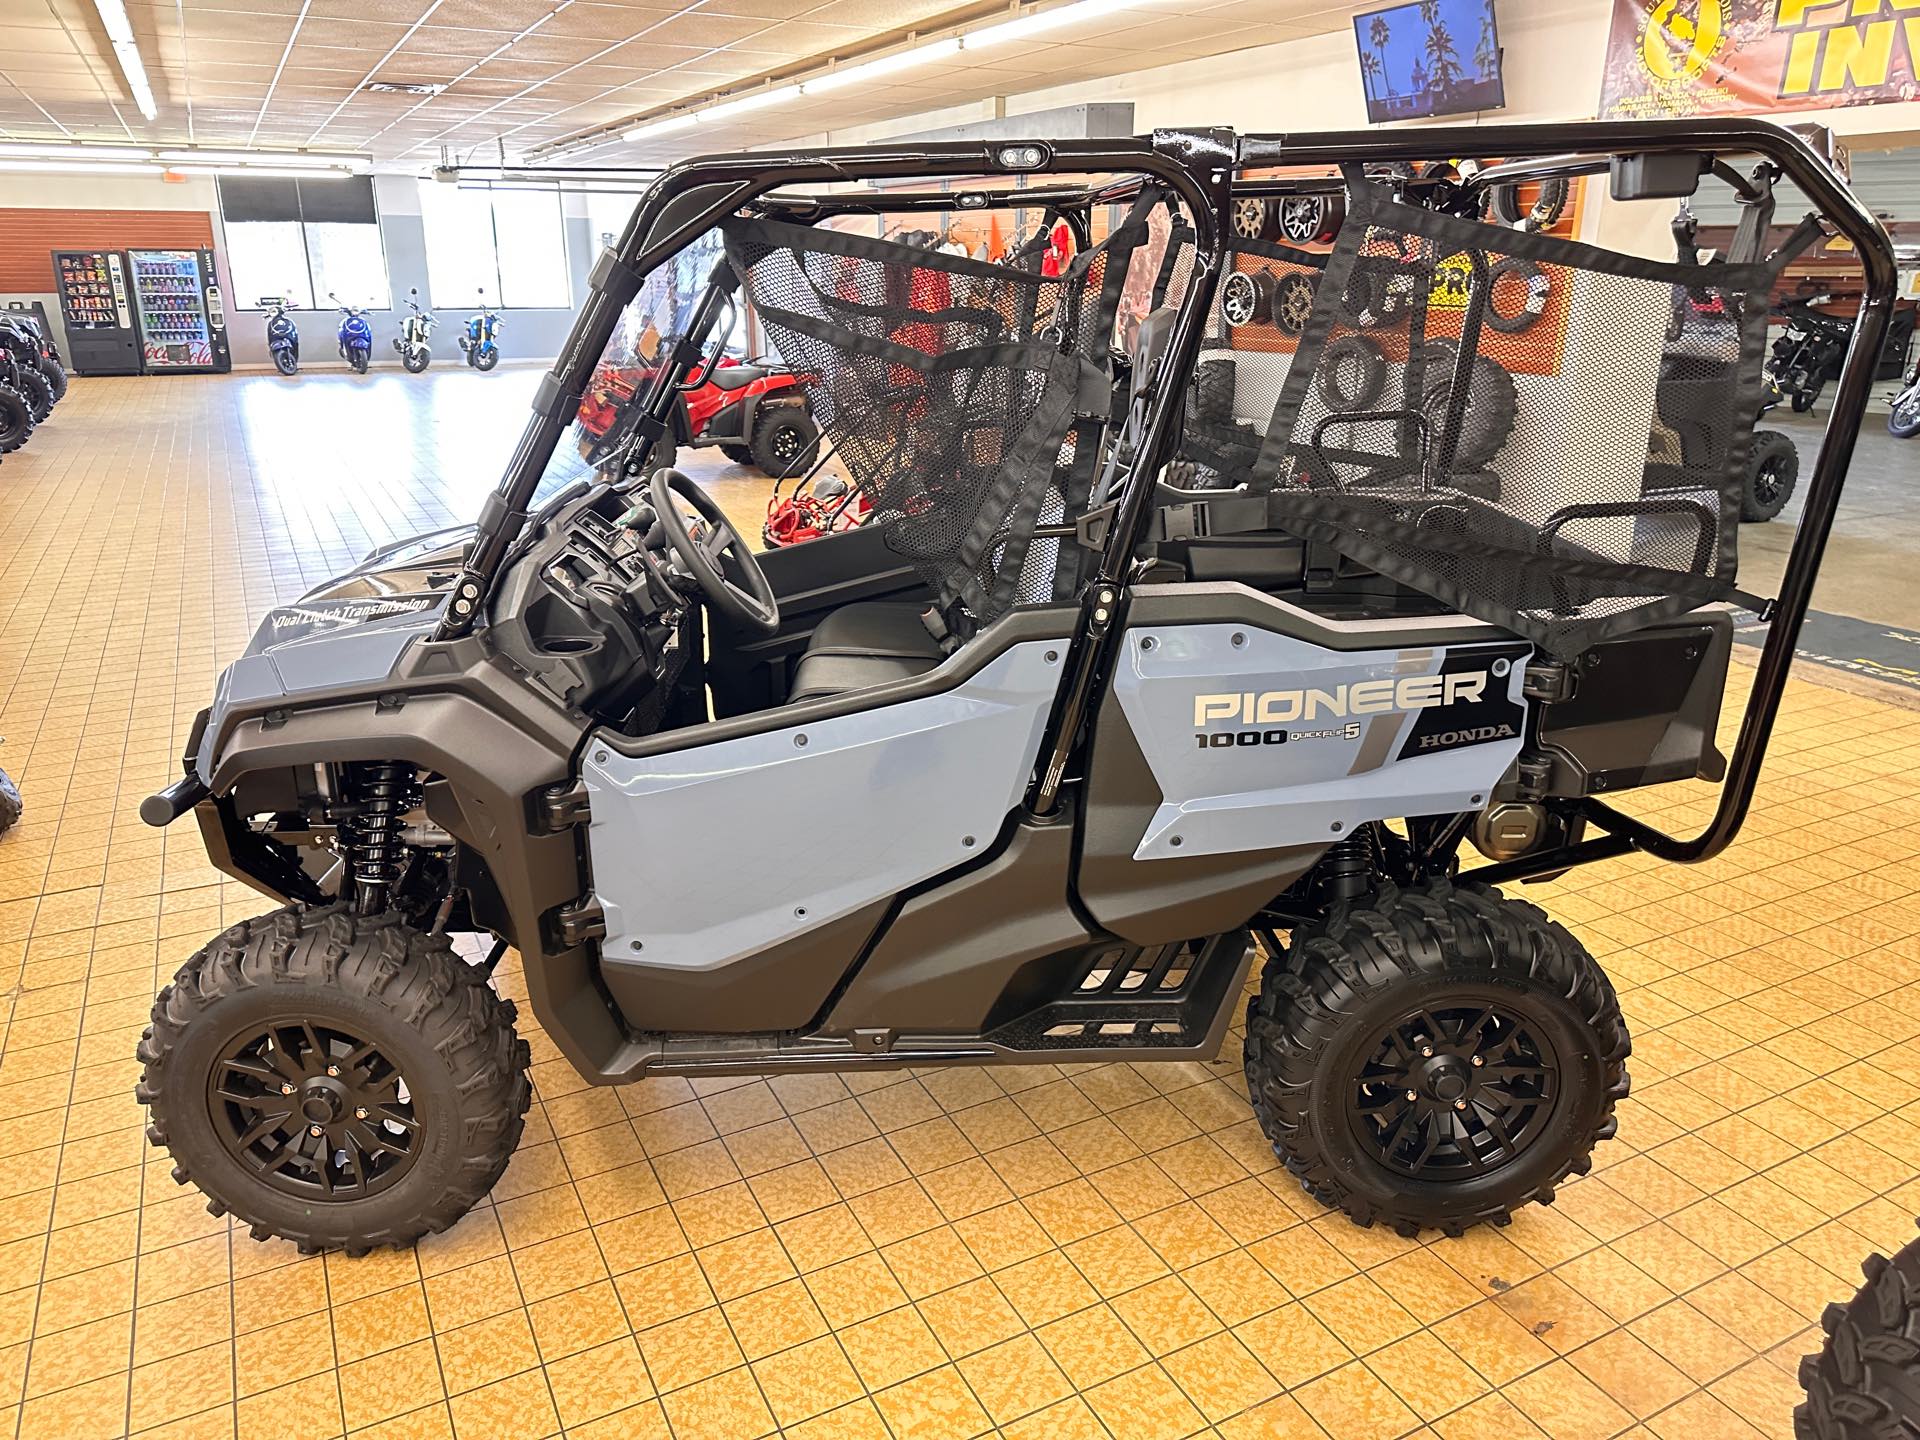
pixel 506 246
pixel 304 240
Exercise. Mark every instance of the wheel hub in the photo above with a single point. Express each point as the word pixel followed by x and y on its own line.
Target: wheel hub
pixel 313 1110
pixel 1455 1093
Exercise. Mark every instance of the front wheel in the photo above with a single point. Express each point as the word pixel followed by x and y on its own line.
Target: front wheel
pixel 1435 1056
pixel 358 358
pixel 56 374
pixel 415 360
pixel 484 359
pixel 1773 469
pixel 284 362
pixel 1904 419
pixel 334 1079
pixel 783 440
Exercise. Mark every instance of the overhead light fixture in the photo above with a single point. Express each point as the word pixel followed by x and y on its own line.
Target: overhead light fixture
pixel 660 127
pixel 753 100
pixel 82 153
pixel 113 15
pixel 260 172
pixel 70 167
pixel 886 65
pixel 1030 25
pixel 288 159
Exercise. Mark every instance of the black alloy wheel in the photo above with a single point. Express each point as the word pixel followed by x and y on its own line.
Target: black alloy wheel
pixel 313 1111
pixel 1455 1092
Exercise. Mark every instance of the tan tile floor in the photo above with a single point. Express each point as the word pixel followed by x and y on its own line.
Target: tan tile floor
pixel 1093 1252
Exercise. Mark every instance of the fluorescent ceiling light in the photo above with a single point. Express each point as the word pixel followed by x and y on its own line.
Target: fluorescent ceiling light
pixel 285 159
pixel 1029 25
pixel 885 65
pixel 750 101
pixel 68 167
pixel 659 127
pixel 80 153
pixel 113 15
pixel 266 172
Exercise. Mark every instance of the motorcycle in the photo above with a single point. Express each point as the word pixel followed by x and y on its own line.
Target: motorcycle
pixel 1809 353
pixel 476 341
pixel 1903 420
pixel 411 342
pixel 283 336
pixel 356 335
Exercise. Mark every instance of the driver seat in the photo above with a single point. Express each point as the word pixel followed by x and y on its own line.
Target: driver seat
pixel 859 646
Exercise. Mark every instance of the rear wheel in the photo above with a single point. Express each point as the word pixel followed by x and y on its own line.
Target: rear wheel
pixel 1435 1056
pixel 783 439
pixel 1865 1382
pixel 334 1079
pixel 1773 468
pixel 16 420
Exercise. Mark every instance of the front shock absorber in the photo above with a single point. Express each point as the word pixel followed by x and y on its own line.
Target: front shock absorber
pixel 379 793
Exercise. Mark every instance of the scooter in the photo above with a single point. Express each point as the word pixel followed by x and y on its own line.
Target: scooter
pixel 411 342
pixel 476 341
pixel 356 335
pixel 283 336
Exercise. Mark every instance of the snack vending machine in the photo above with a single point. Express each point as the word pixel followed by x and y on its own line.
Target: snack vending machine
pixel 96 307
pixel 182 315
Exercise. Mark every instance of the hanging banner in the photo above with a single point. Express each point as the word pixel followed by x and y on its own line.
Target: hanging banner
pixel 1721 57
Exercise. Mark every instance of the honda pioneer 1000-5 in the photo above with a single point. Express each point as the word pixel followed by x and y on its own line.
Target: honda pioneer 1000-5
pixel 1179 642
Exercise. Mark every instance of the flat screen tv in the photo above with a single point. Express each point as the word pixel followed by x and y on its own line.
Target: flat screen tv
pixel 1432 57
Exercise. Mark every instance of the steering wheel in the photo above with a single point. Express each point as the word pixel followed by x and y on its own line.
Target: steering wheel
pixel 749 599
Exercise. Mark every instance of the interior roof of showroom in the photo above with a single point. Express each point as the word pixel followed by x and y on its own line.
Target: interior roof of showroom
pixel 528 73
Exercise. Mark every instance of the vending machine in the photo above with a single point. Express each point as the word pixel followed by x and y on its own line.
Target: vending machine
pixel 96 305
pixel 182 315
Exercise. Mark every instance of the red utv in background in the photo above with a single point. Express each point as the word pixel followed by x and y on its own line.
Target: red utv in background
pixel 755 411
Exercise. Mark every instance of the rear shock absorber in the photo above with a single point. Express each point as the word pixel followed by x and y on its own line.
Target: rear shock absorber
pixel 1350 867
pixel 379 794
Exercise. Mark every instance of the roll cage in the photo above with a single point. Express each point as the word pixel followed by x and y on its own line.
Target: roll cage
pixel 1203 170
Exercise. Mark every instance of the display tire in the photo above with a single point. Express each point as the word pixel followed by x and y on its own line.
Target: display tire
pixel 1773 469
pixel 11 805
pixel 1492 403
pixel 484 360
pixel 1864 1384
pixel 1214 384
pixel 16 420
pixel 783 437
pixel 37 390
pixel 56 374
pixel 1246 297
pixel 1252 217
pixel 433 1017
pixel 1356 356
pixel 285 363
pixel 415 361
pixel 1310 219
pixel 1439 947
pixel 1539 289
pixel 1292 304
pixel 1503 203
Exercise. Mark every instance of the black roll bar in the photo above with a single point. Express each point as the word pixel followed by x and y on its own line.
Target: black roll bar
pixel 1798 161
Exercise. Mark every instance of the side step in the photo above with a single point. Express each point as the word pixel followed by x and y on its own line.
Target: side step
pixel 1170 1002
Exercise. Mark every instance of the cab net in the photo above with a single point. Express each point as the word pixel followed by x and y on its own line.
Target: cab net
pixel 1546 435
pixel 966 398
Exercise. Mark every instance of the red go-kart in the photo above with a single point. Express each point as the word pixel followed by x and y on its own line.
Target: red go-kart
pixel 755 411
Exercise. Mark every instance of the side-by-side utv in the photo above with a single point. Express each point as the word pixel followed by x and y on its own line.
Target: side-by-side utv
pixel 1181 639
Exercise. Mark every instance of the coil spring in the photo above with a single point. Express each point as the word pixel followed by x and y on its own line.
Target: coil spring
pixel 379 794
pixel 1347 870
